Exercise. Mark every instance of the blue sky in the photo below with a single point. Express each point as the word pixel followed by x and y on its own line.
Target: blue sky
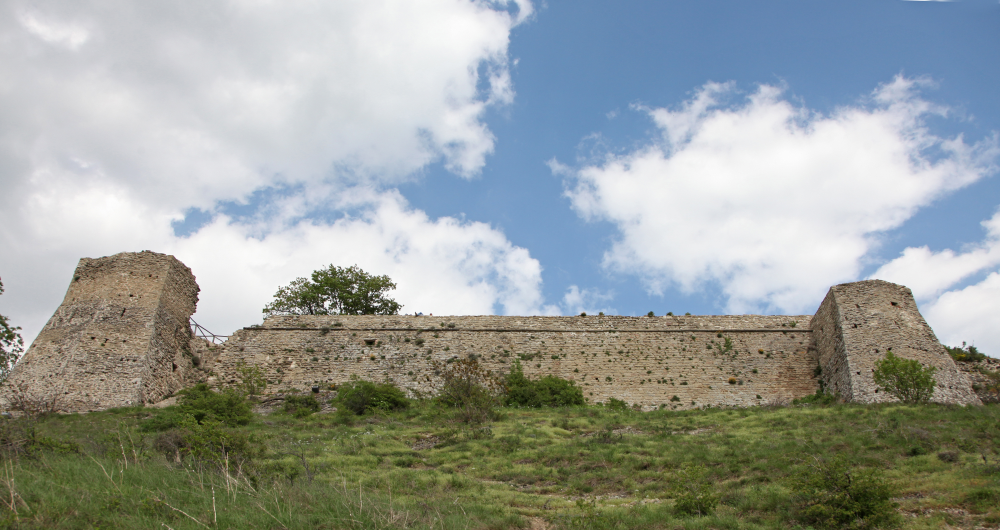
pixel 511 157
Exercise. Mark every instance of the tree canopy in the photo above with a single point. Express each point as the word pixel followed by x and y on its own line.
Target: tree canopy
pixel 335 291
pixel 11 345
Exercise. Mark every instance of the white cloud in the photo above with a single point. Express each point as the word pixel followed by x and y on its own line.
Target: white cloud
pixel 929 273
pixel 590 301
pixel 441 266
pixel 970 313
pixel 125 115
pixel 772 201
pixel 193 104
pixel 69 36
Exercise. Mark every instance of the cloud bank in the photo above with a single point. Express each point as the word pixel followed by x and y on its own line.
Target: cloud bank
pixel 769 200
pixel 125 116
pixel 959 313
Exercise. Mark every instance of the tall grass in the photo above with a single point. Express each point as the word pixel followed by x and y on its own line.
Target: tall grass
pixel 575 467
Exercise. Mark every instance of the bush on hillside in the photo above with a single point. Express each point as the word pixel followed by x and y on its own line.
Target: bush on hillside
pixel 694 493
pixel 617 405
pixel 833 494
pixel 211 444
pixel 549 391
pixel 905 379
pixel 965 354
pixel 362 397
pixel 819 398
pixel 468 386
pixel 300 406
pixel 229 408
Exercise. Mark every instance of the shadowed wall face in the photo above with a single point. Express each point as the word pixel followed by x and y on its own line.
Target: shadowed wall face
pixel 121 336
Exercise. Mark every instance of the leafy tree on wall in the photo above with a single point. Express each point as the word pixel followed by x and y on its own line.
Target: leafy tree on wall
pixel 11 345
pixel 335 291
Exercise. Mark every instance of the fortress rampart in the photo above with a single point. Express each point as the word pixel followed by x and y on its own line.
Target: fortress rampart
pixel 679 362
pixel 121 337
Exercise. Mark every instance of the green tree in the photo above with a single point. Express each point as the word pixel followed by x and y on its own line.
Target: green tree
pixel 11 345
pixel 905 379
pixel 335 291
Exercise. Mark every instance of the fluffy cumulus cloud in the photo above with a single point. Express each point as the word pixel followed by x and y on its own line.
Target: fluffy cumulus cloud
pixel 442 266
pixel 957 312
pixel 769 200
pixel 118 117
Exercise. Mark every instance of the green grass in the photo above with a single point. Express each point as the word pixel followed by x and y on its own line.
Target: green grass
pixel 580 467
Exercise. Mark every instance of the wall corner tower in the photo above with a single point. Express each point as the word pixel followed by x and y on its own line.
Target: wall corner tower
pixel 121 336
pixel 858 322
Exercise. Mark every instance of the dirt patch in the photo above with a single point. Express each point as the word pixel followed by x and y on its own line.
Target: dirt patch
pixel 427 442
pixel 537 523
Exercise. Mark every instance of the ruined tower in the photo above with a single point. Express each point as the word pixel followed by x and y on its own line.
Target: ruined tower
pixel 121 336
pixel 856 325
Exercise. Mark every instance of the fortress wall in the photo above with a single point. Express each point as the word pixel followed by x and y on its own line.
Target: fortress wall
pixel 122 337
pixel 641 360
pixel 117 339
pixel 868 319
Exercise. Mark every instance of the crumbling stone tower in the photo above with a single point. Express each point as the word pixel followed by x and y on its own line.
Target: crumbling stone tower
pixel 858 322
pixel 121 336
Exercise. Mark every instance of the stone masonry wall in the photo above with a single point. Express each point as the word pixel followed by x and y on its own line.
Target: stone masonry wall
pixel 678 362
pixel 120 337
pixel 859 322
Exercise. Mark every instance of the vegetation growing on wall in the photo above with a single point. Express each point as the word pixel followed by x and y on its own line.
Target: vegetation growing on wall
pixel 965 354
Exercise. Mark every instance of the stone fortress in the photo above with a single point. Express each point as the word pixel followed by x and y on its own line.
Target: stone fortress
pixel 122 337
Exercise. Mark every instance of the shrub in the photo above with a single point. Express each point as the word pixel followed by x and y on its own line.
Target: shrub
pixel 617 405
pixel 965 354
pixel 301 406
pixel 693 493
pixel 819 398
pixel 905 379
pixel 252 380
pixel 228 407
pixel 471 388
pixel 361 397
pixel 549 391
pixel 202 404
pixel 833 494
pixel 211 444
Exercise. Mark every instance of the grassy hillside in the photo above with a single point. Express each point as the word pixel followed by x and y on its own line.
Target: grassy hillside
pixel 581 467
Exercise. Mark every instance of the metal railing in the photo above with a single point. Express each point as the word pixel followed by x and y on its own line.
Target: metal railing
pixel 199 331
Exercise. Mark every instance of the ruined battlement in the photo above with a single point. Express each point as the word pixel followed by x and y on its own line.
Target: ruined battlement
pixel 122 337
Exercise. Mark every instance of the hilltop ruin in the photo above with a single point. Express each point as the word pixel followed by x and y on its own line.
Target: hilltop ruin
pixel 122 337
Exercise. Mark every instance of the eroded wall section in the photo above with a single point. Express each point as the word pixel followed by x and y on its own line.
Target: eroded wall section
pixel 121 336
pixel 675 361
